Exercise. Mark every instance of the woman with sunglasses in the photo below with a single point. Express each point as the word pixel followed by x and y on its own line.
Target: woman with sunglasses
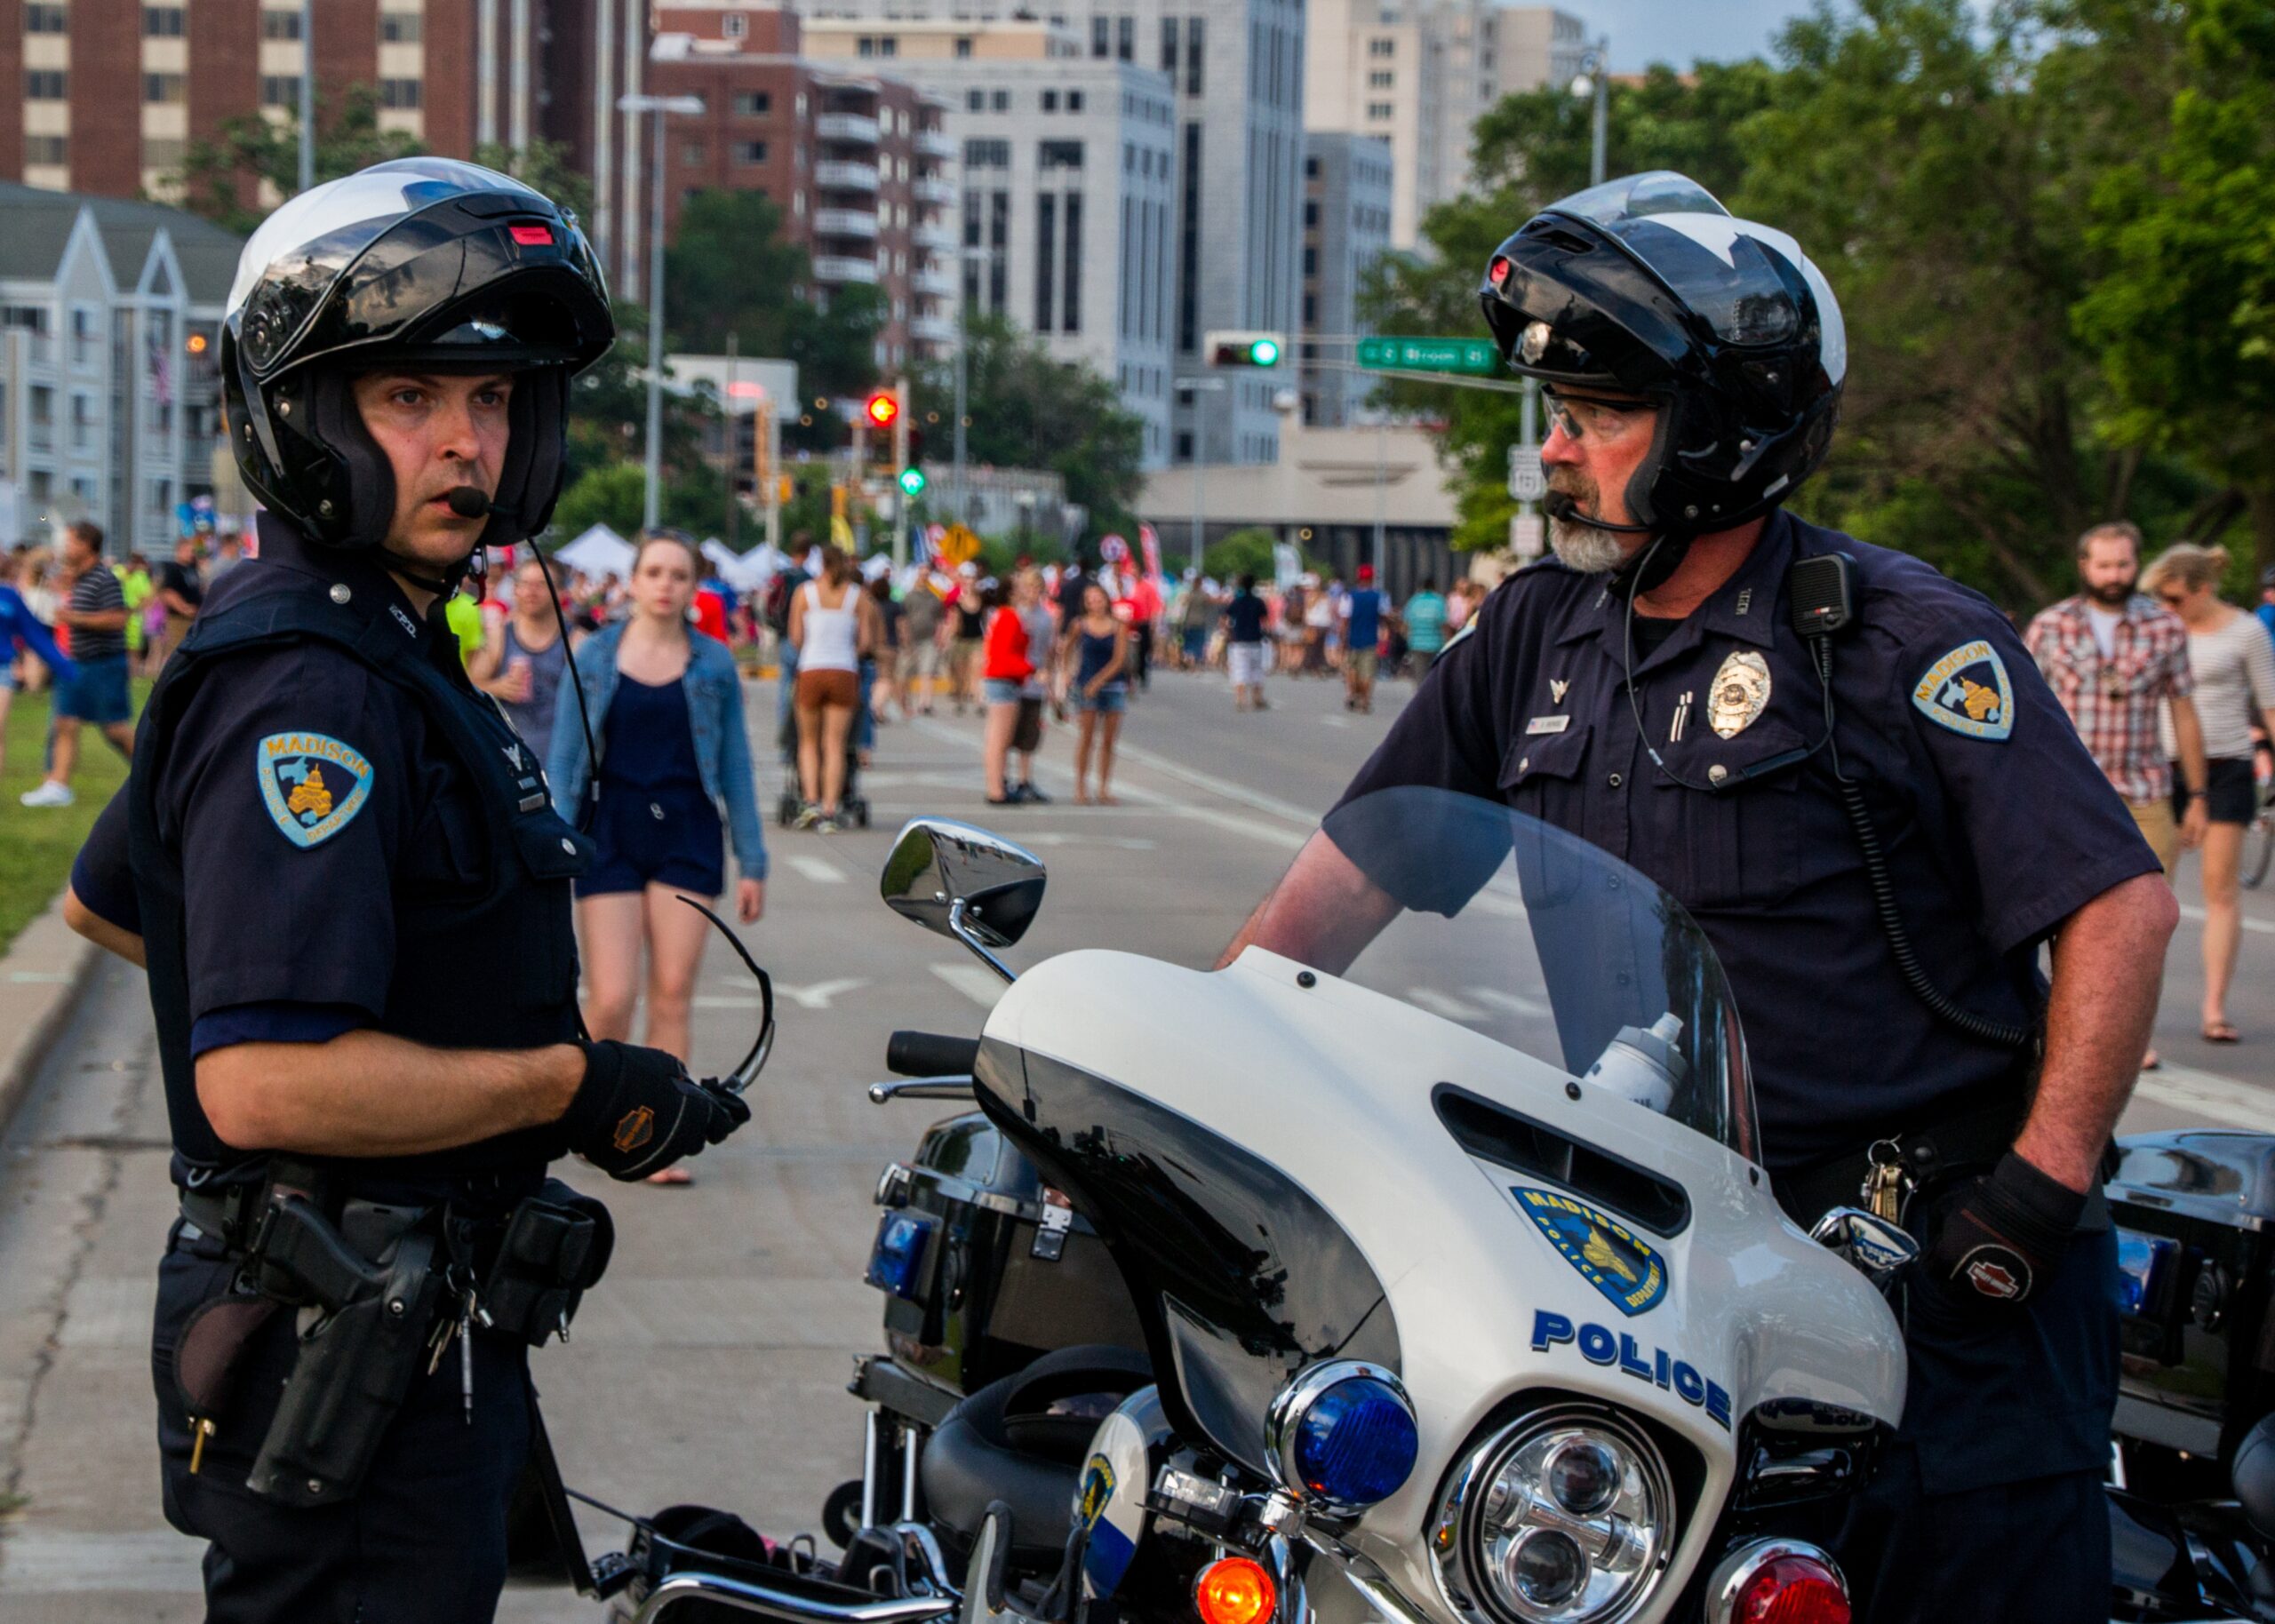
pixel 2234 667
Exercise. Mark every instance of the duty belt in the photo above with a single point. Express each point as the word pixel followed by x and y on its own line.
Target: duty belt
pixel 1950 1147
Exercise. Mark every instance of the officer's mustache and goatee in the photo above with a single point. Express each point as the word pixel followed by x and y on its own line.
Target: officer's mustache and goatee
pixel 1582 546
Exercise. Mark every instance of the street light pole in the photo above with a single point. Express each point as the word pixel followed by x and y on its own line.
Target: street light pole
pixel 1198 386
pixel 966 255
pixel 1595 78
pixel 650 506
pixel 308 94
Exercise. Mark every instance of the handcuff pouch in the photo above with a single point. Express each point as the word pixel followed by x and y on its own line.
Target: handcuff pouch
pixel 556 1249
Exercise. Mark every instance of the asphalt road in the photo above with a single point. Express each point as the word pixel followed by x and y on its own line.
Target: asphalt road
pixel 710 1366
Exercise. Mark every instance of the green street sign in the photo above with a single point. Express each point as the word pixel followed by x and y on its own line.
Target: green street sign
pixel 1476 356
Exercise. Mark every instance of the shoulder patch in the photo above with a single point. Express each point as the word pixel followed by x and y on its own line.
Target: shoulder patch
pixel 1967 690
pixel 312 784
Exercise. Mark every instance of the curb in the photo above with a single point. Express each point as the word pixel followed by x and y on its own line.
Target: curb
pixel 40 977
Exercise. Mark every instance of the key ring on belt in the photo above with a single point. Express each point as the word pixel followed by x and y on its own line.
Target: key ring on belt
pixel 1887 1181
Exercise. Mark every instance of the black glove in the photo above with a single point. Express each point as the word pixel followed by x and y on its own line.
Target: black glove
pixel 637 1111
pixel 2002 1235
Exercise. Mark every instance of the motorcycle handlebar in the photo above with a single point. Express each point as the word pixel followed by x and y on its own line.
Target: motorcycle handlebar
pixel 931 1055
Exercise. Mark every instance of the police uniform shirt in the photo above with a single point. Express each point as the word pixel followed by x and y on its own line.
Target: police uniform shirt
pixel 302 792
pixel 1996 822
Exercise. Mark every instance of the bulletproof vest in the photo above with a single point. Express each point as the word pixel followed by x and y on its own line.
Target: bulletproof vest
pixel 490 967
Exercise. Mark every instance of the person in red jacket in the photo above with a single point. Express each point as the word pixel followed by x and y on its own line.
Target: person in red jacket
pixel 1006 671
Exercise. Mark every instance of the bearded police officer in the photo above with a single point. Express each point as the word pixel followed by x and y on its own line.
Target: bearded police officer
pixel 1847 768
pixel 353 895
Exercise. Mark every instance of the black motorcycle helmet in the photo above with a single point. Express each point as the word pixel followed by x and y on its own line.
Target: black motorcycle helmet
pixel 426 261
pixel 1647 286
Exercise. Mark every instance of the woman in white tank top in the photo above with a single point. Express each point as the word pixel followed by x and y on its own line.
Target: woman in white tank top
pixel 834 624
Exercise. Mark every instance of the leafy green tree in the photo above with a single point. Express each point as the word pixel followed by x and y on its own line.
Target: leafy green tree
pixel 729 270
pixel 1028 410
pixel 615 494
pixel 220 179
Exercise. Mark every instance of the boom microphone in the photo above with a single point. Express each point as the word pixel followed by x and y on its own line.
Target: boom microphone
pixel 470 502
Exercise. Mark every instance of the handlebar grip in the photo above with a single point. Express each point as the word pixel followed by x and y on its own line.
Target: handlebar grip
pixel 931 1055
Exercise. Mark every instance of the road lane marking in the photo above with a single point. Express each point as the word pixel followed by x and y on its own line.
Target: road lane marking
pixel 1053 837
pixel 1224 787
pixel 2207 1094
pixel 821 871
pixel 821 995
pixel 976 981
pixel 2263 927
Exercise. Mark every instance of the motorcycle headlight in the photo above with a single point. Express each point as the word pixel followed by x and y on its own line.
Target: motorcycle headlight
pixel 1343 1434
pixel 1563 1517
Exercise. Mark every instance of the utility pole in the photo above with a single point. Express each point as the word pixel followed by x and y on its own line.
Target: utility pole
pixel 308 94
pixel 734 431
pixel 661 106
pixel 1198 386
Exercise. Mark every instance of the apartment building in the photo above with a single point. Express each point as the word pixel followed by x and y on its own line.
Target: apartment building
pixel 1347 194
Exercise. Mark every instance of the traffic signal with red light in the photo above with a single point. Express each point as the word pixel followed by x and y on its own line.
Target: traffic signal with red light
pixel 883 410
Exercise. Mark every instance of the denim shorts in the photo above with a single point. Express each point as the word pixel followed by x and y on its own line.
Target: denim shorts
pixel 1110 700
pixel 1003 690
pixel 97 694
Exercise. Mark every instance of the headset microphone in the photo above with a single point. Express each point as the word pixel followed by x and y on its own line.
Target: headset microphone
pixel 471 502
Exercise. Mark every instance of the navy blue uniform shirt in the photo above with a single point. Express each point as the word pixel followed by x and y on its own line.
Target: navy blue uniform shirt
pixel 1997 823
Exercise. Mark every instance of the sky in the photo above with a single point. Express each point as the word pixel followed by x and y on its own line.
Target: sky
pixel 1680 31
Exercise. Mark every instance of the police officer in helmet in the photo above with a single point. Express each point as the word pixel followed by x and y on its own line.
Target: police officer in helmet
pixel 352 896
pixel 1849 771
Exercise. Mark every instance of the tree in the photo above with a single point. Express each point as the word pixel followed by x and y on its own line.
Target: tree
pixel 1028 410
pixel 220 179
pixel 728 270
pixel 615 494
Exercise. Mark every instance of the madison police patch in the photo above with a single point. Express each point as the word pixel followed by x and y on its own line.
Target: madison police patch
pixel 1608 1257
pixel 1968 691
pixel 312 784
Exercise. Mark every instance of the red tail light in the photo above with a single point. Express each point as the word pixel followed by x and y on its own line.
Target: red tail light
pixel 1792 1590
pixel 1498 272
pixel 532 236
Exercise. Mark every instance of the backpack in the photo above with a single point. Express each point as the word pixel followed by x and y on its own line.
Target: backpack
pixel 779 592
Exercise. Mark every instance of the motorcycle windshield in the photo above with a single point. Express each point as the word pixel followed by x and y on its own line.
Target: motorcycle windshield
pixel 1549 946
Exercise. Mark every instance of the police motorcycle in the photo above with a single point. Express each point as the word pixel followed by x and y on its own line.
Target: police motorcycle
pixel 1447 1289
pixel 2191 1486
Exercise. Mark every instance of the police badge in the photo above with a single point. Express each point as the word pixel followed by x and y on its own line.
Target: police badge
pixel 1740 693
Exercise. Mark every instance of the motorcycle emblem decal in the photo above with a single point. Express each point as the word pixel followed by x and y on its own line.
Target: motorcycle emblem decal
pixel 1740 693
pixel 1968 691
pixel 1996 1271
pixel 1606 1253
pixel 1601 1345
pixel 1097 1490
pixel 636 1128
pixel 312 784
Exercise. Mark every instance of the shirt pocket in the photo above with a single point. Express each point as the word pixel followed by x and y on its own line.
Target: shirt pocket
pixel 1737 847
pixel 1541 776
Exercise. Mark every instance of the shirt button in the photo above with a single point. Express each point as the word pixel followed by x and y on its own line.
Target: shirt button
pixel 1614 781
pixel 568 845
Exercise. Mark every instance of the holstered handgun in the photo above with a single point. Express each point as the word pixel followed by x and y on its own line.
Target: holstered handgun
pixel 367 1287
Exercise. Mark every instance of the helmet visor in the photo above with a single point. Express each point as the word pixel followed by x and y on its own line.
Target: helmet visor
pixel 1726 271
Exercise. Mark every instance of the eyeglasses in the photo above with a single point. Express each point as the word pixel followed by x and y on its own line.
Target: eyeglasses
pixel 2172 600
pixel 1583 420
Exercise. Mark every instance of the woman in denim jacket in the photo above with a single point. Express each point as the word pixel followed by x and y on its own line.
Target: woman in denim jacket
pixel 666 708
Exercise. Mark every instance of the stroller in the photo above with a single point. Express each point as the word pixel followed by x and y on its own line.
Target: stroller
pixel 852 805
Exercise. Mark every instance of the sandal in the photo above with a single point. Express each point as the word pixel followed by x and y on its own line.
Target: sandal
pixel 2221 1031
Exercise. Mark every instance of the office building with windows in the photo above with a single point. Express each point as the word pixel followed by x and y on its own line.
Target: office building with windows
pixel 113 91
pixel 1347 229
pixel 109 400
pixel 1067 215
pixel 1419 74
pixel 1236 69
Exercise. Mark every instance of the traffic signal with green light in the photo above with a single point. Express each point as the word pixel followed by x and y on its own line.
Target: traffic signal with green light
pixel 1244 349
pixel 912 481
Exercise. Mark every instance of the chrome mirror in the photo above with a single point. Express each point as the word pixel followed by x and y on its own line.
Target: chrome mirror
pixel 1879 1248
pixel 960 880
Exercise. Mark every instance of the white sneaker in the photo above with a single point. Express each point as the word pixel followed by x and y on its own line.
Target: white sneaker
pixel 50 793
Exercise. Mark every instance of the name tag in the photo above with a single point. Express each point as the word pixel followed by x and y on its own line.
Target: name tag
pixel 1547 724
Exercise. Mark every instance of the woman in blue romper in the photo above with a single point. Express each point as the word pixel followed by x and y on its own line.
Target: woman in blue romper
pixel 666 708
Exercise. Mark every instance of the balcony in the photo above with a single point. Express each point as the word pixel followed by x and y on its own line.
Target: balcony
pixel 935 144
pixel 936 235
pixel 932 329
pixel 845 223
pixel 938 282
pixel 845 175
pixel 838 269
pixel 932 189
pixel 858 128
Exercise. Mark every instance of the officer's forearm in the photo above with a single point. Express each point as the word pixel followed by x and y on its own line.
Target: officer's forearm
pixel 1323 912
pixel 371 1094
pixel 2109 966
pixel 101 931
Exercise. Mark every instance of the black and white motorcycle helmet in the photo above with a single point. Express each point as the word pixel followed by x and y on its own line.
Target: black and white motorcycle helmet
pixel 425 261
pixel 1647 286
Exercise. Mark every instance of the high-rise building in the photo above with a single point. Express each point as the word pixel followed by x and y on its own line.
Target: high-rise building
pixel 1347 229
pixel 1420 74
pixel 1069 188
pixel 113 91
pixel 109 400
pixel 1237 68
